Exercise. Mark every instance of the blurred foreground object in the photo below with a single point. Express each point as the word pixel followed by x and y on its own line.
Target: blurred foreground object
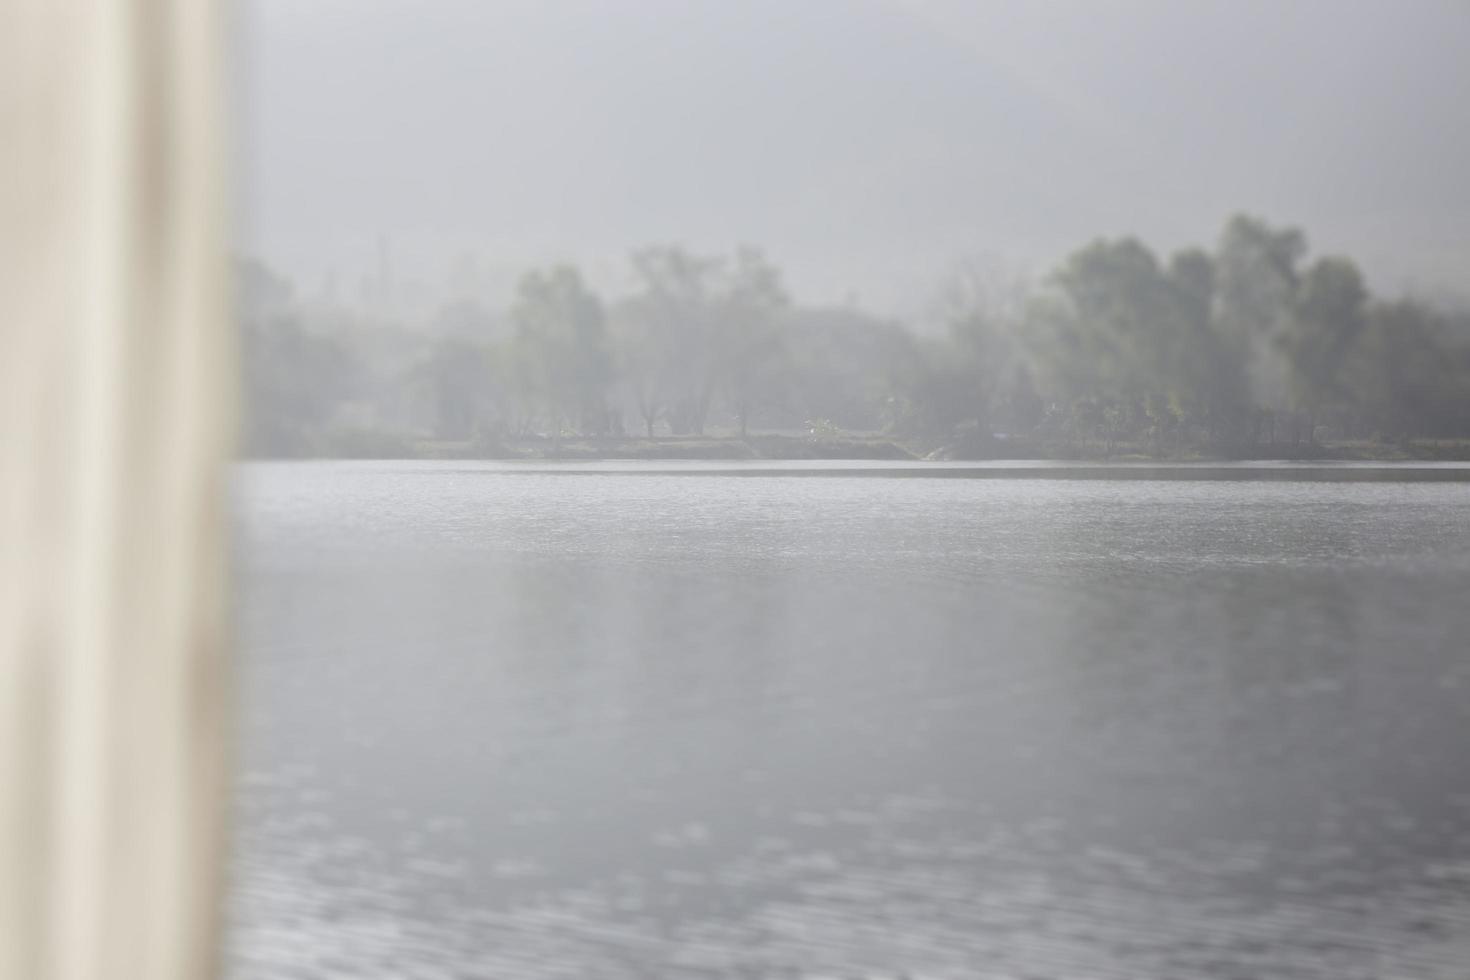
pixel 116 422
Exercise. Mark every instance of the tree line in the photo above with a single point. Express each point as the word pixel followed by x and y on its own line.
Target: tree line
pixel 1252 347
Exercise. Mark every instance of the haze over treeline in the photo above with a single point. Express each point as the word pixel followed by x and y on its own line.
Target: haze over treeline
pixel 867 143
pixel 451 189
pixel 1252 345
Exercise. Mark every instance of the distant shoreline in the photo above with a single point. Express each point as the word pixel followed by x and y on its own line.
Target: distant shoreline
pixel 775 448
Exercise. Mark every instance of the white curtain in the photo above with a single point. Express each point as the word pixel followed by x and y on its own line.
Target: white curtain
pixel 116 412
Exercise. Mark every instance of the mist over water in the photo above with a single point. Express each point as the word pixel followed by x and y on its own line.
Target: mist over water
pixel 853 488
pixel 512 721
pixel 475 229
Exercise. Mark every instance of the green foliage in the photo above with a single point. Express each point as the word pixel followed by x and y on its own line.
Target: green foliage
pixel 671 322
pixel 1249 349
pixel 562 346
pixel 456 374
pixel 1407 375
pixel 1328 317
pixel 749 346
pixel 294 380
pixel 823 429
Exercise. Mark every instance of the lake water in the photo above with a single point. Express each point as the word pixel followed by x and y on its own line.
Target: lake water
pixel 699 720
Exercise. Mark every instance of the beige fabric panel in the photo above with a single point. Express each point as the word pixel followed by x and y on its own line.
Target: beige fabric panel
pixel 117 387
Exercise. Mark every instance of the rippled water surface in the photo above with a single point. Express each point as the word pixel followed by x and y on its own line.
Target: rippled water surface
pixel 693 721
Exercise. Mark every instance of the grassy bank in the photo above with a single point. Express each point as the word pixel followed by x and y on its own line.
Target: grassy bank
pixel 716 448
pixel 358 444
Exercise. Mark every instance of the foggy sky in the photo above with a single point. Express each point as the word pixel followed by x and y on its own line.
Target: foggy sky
pixel 866 144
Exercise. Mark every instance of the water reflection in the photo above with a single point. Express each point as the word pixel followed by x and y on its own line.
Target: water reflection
pixel 628 725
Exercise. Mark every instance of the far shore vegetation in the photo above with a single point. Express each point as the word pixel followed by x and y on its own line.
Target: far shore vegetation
pixel 1251 349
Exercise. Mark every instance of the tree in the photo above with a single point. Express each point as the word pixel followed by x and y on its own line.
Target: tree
pixel 458 373
pixel 1404 376
pixel 844 366
pixel 1106 332
pixel 672 317
pixel 294 380
pixel 1216 350
pixel 949 385
pixel 563 342
pixel 748 342
pixel 1209 383
pixel 644 361
pixel 1328 316
pixel 1256 284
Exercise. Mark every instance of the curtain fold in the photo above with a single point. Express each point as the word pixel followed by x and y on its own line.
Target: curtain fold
pixel 117 384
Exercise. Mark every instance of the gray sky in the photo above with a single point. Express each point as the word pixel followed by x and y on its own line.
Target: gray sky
pixel 868 145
